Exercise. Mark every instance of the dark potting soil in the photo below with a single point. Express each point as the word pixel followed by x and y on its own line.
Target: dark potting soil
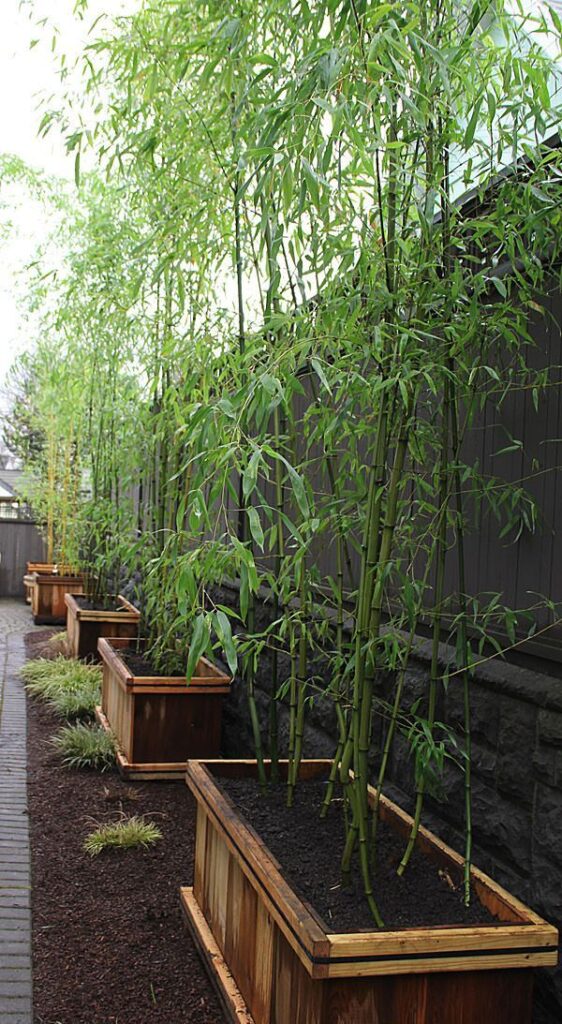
pixel 141 666
pixel 309 849
pixel 109 942
pixel 98 606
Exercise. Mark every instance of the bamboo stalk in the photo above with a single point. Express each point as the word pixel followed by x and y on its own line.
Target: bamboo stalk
pixel 340 717
pixel 441 555
pixel 242 517
pixel 294 762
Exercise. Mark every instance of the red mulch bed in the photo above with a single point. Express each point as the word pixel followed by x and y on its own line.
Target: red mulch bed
pixel 109 942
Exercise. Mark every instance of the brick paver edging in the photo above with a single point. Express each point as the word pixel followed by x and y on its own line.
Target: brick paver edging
pixel 15 874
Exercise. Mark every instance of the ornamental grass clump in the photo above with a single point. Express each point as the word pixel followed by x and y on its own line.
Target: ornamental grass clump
pixel 85 746
pixel 71 688
pixel 71 703
pixel 122 835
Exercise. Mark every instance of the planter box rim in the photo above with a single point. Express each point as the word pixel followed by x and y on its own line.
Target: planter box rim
pixel 128 614
pixel 54 578
pixel 527 941
pixel 217 682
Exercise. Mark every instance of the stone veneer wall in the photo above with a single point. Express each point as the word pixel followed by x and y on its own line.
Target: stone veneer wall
pixel 517 780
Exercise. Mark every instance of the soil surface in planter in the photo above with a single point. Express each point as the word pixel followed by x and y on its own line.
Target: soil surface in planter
pixel 109 942
pixel 139 665
pixel 309 849
pixel 99 606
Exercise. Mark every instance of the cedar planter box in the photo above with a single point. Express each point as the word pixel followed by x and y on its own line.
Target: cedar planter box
pixel 84 626
pixel 47 597
pixel 160 721
pixel 274 961
pixel 28 579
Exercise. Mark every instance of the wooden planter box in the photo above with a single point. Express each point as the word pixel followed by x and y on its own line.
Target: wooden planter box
pixel 28 579
pixel 274 961
pixel 84 626
pixel 47 597
pixel 158 721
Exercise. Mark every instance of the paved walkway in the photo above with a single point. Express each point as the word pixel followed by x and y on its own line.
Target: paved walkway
pixel 15 874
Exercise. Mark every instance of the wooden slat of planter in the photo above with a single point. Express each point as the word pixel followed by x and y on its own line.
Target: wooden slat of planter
pixel 468 998
pixel 143 684
pixel 163 771
pixel 96 615
pixel 200 847
pixel 420 941
pixel 227 990
pixel 216 888
pixel 296 996
pixel 248 938
pixel 174 772
pixel 150 684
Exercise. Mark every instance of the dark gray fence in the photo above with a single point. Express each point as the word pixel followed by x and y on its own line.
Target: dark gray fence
pixel 20 542
pixel 523 570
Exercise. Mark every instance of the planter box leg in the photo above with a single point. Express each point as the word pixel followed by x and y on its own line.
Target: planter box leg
pixel 223 982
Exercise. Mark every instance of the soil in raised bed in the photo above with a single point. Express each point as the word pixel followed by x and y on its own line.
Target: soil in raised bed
pixel 309 849
pixel 99 606
pixel 109 942
pixel 140 665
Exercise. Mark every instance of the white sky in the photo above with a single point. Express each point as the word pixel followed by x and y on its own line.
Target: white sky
pixel 23 72
pixel 26 75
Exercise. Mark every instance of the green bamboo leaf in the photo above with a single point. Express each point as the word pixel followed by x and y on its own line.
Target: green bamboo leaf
pixel 186 583
pixel 499 285
pixel 472 126
pixel 250 474
pixel 198 645
pixel 320 373
pixel 151 83
pixel 263 58
pixel 255 526
pixel 287 185
pixel 299 491
pixel 224 633
pixel 311 180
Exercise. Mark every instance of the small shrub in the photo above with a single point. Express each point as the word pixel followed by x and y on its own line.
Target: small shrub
pixel 85 746
pixel 123 835
pixel 71 688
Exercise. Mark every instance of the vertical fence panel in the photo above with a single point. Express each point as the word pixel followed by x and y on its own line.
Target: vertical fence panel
pixel 20 542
